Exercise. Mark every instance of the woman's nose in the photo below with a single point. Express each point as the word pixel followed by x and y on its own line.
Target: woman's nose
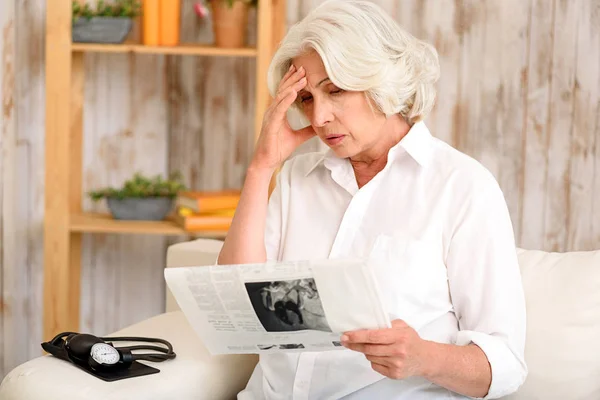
pixel 322 114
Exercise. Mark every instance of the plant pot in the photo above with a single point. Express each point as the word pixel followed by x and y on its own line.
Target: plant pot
pixel 230 23
pixel 140 208
pixel 101 29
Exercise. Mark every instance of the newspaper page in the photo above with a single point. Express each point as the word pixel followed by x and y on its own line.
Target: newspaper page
pixel 277 306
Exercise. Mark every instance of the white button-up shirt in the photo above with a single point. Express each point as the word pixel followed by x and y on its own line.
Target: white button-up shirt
pixel 436 224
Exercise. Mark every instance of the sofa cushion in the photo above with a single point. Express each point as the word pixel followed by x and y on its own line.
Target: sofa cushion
pixel 192 253
pixel 193 374
pixel 562 352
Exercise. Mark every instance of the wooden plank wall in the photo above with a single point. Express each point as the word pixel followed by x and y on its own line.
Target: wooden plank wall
pixel 210 110
pixel 22 181
pixel 520 91
pixel 7 173
pixel 125 130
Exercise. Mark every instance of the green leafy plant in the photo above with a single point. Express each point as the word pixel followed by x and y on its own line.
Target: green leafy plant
pixel 115 8
pixel 141 186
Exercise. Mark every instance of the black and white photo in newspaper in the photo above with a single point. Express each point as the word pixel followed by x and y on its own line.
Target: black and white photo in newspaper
pixel 288 305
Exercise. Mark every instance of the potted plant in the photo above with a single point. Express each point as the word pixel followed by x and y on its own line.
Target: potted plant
pixel 105 23
pixel 141 197
pixel 229 20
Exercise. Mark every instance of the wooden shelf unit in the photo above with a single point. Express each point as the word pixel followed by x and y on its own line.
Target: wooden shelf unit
pixel 189 49
pixel 64 220
pixel 104 223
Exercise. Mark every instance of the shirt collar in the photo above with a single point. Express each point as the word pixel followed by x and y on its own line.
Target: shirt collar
pixel 417 143
pixel 326 154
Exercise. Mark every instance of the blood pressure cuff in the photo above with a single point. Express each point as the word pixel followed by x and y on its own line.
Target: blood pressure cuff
pixel 58 350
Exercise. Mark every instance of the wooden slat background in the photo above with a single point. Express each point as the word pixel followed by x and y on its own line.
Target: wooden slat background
pixel 520 91
pixel 7 171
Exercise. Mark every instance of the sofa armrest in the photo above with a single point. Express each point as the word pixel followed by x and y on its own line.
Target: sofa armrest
pixel 193 374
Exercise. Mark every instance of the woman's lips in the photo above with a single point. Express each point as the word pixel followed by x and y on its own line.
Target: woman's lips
pixel 332 140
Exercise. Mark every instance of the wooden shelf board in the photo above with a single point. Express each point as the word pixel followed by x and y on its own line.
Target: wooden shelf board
pixel 104 223
pixel 182 49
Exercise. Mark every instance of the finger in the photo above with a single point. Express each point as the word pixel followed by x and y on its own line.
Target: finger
pixel 288 97
pixel 296 87
pixel 379 350
pixel 295 77
pixel 383 361
pixel 281 96
pixel 283 104
pixel 376 336
pixel 289 73
pixel 382 369
pixel 398 323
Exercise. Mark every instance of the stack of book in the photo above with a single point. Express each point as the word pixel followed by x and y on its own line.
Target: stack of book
pixel 207 210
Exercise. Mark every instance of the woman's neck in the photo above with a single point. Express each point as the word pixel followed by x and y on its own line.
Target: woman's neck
pixel 364 171
pixel 369 163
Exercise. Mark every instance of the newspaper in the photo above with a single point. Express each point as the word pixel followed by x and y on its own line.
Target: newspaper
pixel 277 306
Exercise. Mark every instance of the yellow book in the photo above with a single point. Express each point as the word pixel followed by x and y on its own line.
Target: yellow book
pixel 208 201
pixel 186 212
pixel 203 222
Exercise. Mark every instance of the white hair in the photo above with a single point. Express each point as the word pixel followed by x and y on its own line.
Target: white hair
pixel 364 49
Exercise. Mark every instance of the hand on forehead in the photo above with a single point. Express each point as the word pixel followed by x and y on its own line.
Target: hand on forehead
pixel 313 66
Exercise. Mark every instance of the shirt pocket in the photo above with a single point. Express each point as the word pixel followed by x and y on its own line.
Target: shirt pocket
pixel 410 274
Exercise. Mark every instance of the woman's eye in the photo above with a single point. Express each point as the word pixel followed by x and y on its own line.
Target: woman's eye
pixel 336 91
pixel 305 99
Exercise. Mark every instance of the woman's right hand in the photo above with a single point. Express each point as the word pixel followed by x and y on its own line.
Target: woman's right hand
pixel 277 140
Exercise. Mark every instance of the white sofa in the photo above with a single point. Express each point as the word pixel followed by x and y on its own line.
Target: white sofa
pixel 562 350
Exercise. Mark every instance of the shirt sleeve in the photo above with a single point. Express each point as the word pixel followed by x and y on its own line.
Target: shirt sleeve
pixel 486 287
pixel 273 224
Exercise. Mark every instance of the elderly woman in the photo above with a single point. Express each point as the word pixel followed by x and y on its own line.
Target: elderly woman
pixel 432 217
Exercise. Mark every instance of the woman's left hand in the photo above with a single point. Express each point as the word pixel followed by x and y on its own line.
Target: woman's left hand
pixel 397 352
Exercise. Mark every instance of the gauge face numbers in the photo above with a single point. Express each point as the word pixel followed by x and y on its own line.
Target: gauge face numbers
pixel 105 354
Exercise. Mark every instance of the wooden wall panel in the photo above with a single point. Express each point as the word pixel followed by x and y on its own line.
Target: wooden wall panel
pixel 595 25
pixel 29 200
pixel 210 110
pixel 125 130
pixel 471 25
pixel 539 74
pixel 507 114
pixel 586 107
pixel 556 193
pixel 22 179
pixel 441 30
pixel 9 344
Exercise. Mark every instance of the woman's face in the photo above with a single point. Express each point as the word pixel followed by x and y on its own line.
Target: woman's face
pixel 342 119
